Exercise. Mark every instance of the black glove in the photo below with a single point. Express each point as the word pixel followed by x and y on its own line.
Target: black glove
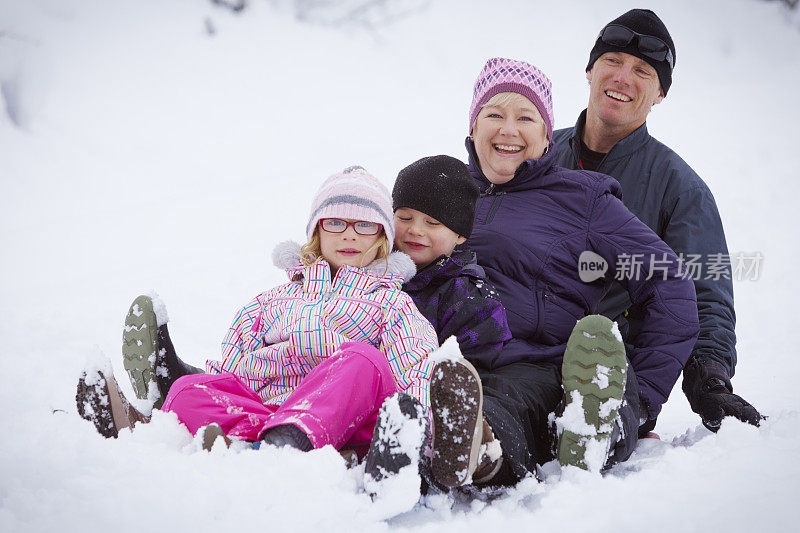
pixel 710 393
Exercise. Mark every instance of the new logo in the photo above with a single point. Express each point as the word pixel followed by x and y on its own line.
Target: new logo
pixel 591 266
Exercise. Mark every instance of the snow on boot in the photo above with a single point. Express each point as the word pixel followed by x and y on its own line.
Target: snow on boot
pixel 288 435
pixel 147 351
pixel 100 401
pixel 490 456
pixel 139 347
pixel 350 458
pixel 392 465
pixel 456 406
pixel 209 435
pixel 593 375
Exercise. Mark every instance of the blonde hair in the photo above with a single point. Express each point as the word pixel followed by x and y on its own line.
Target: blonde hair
pixel 311 252
pixel 503 99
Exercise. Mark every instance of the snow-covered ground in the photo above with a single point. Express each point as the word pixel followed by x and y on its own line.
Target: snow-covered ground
pixel 139 152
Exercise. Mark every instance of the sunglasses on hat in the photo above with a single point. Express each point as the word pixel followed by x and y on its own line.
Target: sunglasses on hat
pixel 648 46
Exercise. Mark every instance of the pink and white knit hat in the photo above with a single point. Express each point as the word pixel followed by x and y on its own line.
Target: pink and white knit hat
pixel 500 75
pixel 353 193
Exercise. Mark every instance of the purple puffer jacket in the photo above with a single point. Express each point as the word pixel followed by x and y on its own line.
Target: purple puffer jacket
pixel 529 234
pixel 453 294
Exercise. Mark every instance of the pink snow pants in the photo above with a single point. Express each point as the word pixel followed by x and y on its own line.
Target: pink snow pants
pixel 336 403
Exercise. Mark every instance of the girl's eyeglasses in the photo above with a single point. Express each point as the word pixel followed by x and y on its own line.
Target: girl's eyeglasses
pixel 362 227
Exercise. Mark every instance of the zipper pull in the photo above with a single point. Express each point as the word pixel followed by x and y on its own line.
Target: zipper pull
pixel 490 190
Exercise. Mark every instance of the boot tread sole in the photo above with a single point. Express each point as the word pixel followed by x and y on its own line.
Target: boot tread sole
pixel 384 460
pixel 100 415
pixel 139 344
pixel 451 464
pixel 590 345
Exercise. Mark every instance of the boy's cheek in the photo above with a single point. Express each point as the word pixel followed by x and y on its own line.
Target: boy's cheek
pixel 414 256
pixel 405 249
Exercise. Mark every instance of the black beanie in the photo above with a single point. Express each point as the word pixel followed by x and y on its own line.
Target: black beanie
pixel 441 187
pixel 645 22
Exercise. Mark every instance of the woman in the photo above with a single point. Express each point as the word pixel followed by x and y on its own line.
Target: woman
pixel 552 241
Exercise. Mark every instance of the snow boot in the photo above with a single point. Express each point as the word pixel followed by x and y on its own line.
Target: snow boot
pixel 288 435
pixel 394 462
pixel 210 434
pixel 100 401
pixel 457 405
pixel 490 457
pixel 593 374
pixel 148 354
pixel 398 440
pixel 350 458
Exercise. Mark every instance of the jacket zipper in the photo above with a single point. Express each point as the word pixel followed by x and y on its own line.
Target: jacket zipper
pixel 325 297
pixel 359 301
pixel 541 302
pixel 493 209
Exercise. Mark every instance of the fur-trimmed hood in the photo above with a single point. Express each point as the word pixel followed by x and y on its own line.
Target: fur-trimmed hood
pixel 286 255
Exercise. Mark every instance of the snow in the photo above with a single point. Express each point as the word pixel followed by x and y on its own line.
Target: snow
pixel 448 351
pixel 601 379
pixel 138 151
pixel 492 450
pixel 615 331
pixel 595 454
pixel 159 308
pixel 95 365
pixel 574 419
pixel 608 406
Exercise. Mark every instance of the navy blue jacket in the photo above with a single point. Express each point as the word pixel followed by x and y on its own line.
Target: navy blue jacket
pixel 453 294
pixel 529 234
pixel 667 195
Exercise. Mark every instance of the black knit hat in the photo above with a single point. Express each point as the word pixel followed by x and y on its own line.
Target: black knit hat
pixel 645 22
pixel 441 187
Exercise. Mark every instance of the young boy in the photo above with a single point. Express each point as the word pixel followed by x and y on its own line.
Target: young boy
pixel 434 207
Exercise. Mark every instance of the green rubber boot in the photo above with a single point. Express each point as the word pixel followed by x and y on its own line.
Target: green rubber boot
pixel 139 346
pixel 593 375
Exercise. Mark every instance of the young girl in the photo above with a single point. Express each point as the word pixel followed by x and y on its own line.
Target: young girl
pixel 308 363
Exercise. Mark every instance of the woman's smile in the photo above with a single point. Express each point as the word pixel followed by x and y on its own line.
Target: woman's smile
pixel 508 149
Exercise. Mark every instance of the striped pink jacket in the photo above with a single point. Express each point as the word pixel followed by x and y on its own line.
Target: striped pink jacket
pixel 277 338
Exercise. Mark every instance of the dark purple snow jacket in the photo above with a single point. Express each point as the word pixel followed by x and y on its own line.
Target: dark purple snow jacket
pixel 529 234
pixel 453 294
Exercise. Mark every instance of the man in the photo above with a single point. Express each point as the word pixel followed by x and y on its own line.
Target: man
pixel 629 71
